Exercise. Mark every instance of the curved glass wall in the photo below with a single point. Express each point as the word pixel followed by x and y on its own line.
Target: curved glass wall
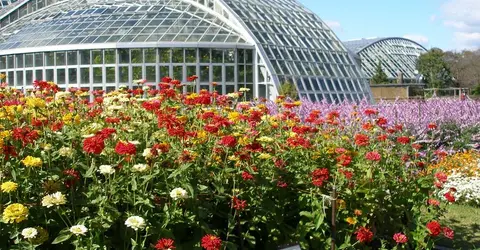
pixel 395 54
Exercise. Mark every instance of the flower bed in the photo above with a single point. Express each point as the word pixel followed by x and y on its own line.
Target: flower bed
pixel 207 171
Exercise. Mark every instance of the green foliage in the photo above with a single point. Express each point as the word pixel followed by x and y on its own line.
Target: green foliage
pixel 289 89
pixel 435 70
pixel 380 77
pixel 476 90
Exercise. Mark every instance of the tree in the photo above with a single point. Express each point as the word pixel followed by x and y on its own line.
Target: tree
pixel 288 89
pixel 434 69
pixel 380 76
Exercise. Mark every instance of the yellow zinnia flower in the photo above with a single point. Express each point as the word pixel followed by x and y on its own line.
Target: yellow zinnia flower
pixel 9 186
pixel 34 102
pixel 351 221
pixel 30 161
pixel 15 213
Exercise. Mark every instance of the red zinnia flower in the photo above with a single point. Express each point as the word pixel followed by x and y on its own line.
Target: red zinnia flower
pixel 433 202
pixel 93 145
pixel 125 148
pixel 247 176
pixel 319 176
pixel 434 228
pixel 239 204
pixel 362 140
pixel 441 177
pixel 211 242
pixel 373 156
pixel 400 238
pixel 165 244
pixel 282 184
pixel 432 126
pixel 228 141
pixel 449 196
pixel 448 232
pixel 403 140
pixel 364 235
pixel 370 112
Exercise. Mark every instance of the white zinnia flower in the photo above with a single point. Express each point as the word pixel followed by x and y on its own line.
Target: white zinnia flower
pixel 244 89
pixel 78 230
pixel 135 222
pixel 140 167
pixel 55 199
pixel 106 169
pixel 29 233
pixel 178 193
pixel 147 153
pixel 66 152
pixel 233 95
pixel 134 142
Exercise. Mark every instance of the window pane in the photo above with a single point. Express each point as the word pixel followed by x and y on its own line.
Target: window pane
pixel 217 56
pixel 110 78
pixel 230 56
pixel 177 55
pixel 84 76
pixel 124 56
pixel 11 78
pixel 178 73
pixel 164 71
pixel 39 75
pixel 249 73
pixel 123 74
pixel 72 76
pixel 229 74
pixel 241 73
pixel 29 77
pixel 49 75
pixel 137 57
pixel 217 74
pixel 85 57
pixel 110 56
pixel 248 56
pixel 60 58
pixel 229 89
pixel 3 62
pixel 204 55
pixel 97 57
pixel 19 78
pixel 10 60
pixel 150 55
pixel 190 55
pixel 97 75
pixel 191 70
pixel 72 58
pixel 150 75
pixel 164 55
pixel 137 73
pixel 19 60
pixel 204 73
pixel 60 76
pixel 28 60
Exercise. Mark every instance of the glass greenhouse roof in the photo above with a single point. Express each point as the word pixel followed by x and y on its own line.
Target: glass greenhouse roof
pixel 173 22
pixel 396 55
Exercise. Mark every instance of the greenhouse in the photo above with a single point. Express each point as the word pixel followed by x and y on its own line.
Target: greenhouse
pixel 397 55
pixel 257 44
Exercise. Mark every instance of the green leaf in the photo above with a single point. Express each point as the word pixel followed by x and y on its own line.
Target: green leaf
pixel 134 184
pixel 64 235
pixel 90 171
pixel 306 214
pixel 179 171
pixel 320 219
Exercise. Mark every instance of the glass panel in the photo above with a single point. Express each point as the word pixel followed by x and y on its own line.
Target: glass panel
pixel 29 77
pixel 150 75
pixel 177 55
pixel 19 60
pixel 204 55
pixel 164 71
pixel 85 57
pixel 217 73
pixel 205 73
pixel 249 73
pixel 97 57
pixel 72 58
pixel 60 76
pixel 230 56
pixel 241 73
pixel 137 57
pixel 60 58
pixel 229 89
pixel 191 70
pixel 217 56
pixel 262 90
pixel 164 55
pixel 229 74
pixel 84 76
pixel 219 89
pixel 248 56
pixel 39 74
pixel 10 61
pixel 110 74
pixel 150 55
pixel 123 74
pixel 137 73
pixel 19 78
pixel 28 60
pixel 11 78
pixel 190 56
pixel 110 56
pixel 97 75
pixel 178 72
pixel 72 76
pixel 49 74
pixel 124 56
pixel 3 62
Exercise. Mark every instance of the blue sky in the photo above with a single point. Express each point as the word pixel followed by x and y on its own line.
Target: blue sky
pixel 447 24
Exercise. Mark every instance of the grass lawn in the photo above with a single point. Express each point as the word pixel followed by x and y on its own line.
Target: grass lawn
pixel 465 221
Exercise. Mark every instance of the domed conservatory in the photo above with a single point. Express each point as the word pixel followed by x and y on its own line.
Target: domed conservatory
pixel 103 44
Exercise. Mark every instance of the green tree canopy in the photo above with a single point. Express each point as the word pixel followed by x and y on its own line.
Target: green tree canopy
pixel 380 77
pixel 288 89
pixel 435 70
